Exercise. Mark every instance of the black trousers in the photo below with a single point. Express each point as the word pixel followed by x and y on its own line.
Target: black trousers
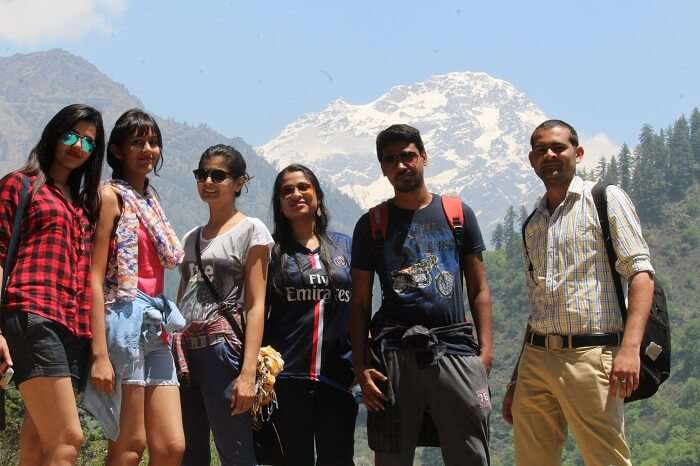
pixel 314 413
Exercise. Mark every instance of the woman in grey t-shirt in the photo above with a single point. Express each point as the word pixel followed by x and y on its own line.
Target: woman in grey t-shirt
pixel 223 301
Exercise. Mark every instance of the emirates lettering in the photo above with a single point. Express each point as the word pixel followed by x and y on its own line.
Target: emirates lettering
pixel 316 294
pixel 308 294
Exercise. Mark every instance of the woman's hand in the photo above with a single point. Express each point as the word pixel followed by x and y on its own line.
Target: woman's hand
pixel 243 394
pixel 5 359
pixel 102 374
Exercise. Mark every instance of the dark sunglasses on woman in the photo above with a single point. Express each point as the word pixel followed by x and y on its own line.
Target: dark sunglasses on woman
pixel 217 176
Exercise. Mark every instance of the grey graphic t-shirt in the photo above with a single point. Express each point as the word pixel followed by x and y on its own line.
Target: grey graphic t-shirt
pixel 223 259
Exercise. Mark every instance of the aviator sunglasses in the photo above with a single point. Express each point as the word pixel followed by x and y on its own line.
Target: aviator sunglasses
pixel 217 176
pixel 86 143
pixel 406 157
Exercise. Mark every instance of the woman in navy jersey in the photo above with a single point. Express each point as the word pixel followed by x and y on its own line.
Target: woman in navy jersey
pixel 308 302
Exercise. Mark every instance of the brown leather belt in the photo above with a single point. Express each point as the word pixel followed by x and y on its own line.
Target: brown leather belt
pixel 552 341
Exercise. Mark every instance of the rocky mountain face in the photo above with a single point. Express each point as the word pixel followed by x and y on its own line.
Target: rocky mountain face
pixel 475 127
pixel 33 87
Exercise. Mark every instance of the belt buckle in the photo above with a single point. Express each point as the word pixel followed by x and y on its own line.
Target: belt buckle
pixel 554 342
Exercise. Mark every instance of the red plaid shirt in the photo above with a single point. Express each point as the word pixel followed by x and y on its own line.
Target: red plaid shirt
pixel 51 277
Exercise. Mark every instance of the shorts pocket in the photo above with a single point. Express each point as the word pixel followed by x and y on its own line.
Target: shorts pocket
pixel 16 323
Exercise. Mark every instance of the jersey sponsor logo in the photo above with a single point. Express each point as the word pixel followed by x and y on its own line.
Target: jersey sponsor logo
pixel 316 294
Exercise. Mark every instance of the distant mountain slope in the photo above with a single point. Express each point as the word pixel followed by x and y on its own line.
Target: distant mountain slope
pixel 35 86
pixel 475 128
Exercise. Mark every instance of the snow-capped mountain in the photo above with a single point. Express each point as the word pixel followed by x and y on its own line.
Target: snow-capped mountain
pixel 476 131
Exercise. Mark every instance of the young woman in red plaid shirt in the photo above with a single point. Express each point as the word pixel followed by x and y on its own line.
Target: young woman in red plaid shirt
pixel 134 243
pixel 46 307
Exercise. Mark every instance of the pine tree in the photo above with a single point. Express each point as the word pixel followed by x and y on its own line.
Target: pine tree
pixel 644 175
pixel 497 237
pixel 624 160
pixel 523 215
pixel 612 173
pixel 600 170
pixel 583 173
pixel 695 142
pixel 508 227
pixel 680 160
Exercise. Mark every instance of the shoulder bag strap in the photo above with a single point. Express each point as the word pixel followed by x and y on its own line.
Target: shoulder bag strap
pixel 198 254
pixel 601 204
pixel 210 285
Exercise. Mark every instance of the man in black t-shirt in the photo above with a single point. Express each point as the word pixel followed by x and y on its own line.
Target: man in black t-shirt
pixel 420 335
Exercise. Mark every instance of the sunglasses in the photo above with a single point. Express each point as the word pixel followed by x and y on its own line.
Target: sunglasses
pixel 86 143
pixel 216 175
pixel 289 189
pixel 406 157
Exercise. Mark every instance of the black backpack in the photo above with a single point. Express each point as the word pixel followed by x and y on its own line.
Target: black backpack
pixel 655 352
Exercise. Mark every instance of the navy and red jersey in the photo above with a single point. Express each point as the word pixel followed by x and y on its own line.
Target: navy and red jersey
pixel 309 312
pixel 51 277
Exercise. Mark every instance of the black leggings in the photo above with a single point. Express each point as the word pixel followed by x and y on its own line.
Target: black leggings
pixel 315 412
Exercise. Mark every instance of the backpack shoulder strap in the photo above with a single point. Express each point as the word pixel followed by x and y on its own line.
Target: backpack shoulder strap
pixel 452 206
pixel 13 244
pixel 600 200
pixel 379 221
pixel 522 235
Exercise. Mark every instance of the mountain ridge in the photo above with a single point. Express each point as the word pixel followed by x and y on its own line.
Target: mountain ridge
pixel 475 127
pixel 33 87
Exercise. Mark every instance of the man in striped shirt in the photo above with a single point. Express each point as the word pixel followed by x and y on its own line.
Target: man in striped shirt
pixel 579 360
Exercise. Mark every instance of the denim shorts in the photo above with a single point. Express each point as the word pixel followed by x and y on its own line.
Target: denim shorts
pixel 41 347
pixel 155 367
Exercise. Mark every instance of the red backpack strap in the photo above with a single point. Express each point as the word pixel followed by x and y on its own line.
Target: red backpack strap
pixel 452 206
pixel 379 221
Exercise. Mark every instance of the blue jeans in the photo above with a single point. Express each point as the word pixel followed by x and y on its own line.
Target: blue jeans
pixel 206 405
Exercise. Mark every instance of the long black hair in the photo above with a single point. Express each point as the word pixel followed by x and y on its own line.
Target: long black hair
pixel 133 122
pixel 83 182
pixel 284 236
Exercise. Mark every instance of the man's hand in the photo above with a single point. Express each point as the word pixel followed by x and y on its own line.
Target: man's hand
pixel 487 361
pixel 371 395
pixel 624 378
pixel 243 394
pixel 102 374
pixel 5 359
pixel 506 408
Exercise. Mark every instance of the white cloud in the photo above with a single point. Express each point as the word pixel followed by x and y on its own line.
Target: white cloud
pixel 33 21
pixel 596 147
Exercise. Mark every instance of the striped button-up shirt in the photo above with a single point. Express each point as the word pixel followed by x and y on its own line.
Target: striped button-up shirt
pixel 570 284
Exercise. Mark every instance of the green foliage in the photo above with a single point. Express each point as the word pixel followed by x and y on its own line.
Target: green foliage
pixel 625 163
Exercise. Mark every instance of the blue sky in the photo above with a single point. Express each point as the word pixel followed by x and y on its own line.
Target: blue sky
pixel 249 68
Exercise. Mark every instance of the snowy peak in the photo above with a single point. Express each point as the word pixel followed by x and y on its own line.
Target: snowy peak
pixel 475 128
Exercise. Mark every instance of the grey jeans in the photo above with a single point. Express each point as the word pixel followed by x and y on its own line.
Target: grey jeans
pixel 454 392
